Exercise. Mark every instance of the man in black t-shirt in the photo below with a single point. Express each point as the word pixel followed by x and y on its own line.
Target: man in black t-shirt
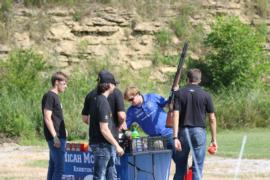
pixel 54 126
pixel 116 102
pixel 102 130
pixel 191 105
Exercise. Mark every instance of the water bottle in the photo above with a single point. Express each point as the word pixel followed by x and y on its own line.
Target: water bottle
pixel 136 141
pixel 135 134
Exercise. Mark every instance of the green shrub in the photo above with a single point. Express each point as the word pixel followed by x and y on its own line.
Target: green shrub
pixel 40 3
pixel 184 29
pixel 163 39
pixel 82 47
pixel 104 1
pixel 72 99
pixel 200 64
pixel 15 121
pixel 160 59
pixel 38 26
pixel 243 109
pixel 3 33
pixel 77 16
pixel 262 29
pixel 20 93
pixel 37 3
pixel 21 71
pixel 180 26
pixel 4 10
pixel 237 58
pixel 148 9
pixel 263 7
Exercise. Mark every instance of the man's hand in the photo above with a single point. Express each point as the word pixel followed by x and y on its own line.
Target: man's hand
pixel 123 126
pixel 176 88
pixel 214 143
pixel 57 142
pixel 214 146
pixel 177 145
pixel 119 150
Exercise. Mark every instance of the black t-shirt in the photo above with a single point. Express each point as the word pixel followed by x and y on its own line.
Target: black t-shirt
pixel 116 102
pixel 100 111
pixel 193 103
pixel 50 101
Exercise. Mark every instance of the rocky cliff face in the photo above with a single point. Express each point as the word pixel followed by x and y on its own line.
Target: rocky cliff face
pixel 119 34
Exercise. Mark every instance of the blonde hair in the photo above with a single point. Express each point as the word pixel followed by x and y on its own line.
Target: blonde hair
pixel 131 91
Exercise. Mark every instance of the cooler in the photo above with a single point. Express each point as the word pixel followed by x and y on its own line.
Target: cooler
pixel 147 165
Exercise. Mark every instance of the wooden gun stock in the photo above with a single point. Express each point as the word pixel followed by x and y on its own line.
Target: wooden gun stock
pixel 169 120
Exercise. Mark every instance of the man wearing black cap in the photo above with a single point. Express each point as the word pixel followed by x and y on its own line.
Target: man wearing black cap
pixel 103 130
pixel 116 101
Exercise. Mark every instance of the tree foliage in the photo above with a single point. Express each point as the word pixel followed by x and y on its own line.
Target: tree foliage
pixel 21 71
pixel 237 58
pixel 20 91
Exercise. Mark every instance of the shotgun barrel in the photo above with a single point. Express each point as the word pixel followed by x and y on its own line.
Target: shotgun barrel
pixel 169 120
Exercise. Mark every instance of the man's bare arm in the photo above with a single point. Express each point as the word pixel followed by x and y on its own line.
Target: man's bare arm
pixel 49 122
pixel 175 123
pixel 121 115
pixel 213 127
pixel 177 142
pixel 122 120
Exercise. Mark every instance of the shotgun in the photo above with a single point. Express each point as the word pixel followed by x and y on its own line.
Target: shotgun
pixel 169 120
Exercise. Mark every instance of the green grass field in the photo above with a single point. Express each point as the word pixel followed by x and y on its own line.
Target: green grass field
pixel 257 145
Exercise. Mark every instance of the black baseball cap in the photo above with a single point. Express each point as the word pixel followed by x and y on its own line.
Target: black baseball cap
pixel 106 77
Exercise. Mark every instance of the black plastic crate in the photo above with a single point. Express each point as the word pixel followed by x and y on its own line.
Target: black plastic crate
pixel 139 145
pixel 144 144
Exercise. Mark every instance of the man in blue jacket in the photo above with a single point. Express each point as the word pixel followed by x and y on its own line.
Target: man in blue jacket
pixel 147 110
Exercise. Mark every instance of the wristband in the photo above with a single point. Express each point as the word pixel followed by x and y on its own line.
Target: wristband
pixel 175 138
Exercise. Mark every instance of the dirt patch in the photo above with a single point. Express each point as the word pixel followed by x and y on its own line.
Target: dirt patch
pixel 6 139
pixel 30 162
pixel 15 162
pixel 224 169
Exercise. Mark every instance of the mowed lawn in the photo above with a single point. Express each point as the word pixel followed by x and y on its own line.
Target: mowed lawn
pixel 257 144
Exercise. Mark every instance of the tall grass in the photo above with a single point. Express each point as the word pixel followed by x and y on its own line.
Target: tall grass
pixel 78 87
pixel 40 3
pixel 20 87
pixel 243 109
